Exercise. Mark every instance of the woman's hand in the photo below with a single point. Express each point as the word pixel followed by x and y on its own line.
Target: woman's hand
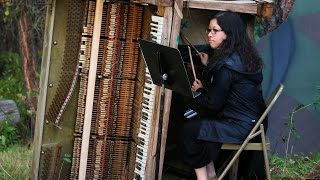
pixel 204 58
pixel 196 85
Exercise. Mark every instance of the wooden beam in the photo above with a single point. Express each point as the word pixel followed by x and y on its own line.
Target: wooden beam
pixel 90 90
pixel 250 7
pixel 45 66
pixel 166 3
pixel 173 42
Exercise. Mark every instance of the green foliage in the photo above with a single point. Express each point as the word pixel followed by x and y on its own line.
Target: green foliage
pixel 298 167
pixel 11 80
pixel 6 11
pixel 316 101
pixel 291 125
pixel 8 135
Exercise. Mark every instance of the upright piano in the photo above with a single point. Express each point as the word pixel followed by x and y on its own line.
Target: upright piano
pixel 98 110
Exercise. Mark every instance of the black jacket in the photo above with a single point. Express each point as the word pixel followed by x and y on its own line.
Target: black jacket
pixel 232 103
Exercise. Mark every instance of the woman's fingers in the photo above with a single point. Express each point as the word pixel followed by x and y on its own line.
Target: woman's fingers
pixel 204 58
pixel 196 84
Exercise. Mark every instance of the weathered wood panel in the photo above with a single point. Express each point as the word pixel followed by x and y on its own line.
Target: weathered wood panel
pixel 250 7
pixel 156 2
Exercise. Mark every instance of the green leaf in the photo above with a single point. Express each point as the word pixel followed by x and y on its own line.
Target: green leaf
pixel 298 107
pixel 3 140
pixel 6 12
pixel 10 129
pixel 67 155
pixel 67 160
pixel 284 139
pixel 8 4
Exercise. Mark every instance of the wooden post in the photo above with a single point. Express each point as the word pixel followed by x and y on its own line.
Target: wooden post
pixel 90 90
pixel 150 168
pixel 43 90
pixel 173 42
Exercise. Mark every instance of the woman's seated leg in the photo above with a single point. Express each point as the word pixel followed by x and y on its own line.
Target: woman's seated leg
pixel 211 171
pixel 202 173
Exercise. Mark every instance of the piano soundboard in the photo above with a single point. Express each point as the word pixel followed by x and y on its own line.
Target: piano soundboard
pixel 124 96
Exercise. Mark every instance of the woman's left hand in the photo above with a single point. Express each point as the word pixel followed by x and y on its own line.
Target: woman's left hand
pixel 196 85
pixel 204 58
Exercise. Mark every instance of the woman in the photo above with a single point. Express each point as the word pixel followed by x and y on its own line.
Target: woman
pixel 231 98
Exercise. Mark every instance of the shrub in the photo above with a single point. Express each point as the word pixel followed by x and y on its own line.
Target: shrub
pixel 8 135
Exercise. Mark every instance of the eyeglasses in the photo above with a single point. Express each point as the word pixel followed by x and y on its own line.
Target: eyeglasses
pixel 213 31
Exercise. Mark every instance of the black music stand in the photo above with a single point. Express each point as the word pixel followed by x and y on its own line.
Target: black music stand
pixel 166 67
pixel 167 70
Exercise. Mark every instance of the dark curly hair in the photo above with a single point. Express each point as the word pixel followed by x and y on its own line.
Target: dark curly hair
pixel 237 41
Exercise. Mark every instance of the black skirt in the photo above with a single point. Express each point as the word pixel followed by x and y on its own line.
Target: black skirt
pixel 196 153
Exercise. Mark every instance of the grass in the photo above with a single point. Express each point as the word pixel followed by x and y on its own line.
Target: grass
pixel 15 162
pixel 296 167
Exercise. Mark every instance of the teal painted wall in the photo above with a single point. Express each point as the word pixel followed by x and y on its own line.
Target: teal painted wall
pixel 292 56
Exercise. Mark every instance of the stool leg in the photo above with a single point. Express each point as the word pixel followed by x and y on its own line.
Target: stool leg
pixel 265 153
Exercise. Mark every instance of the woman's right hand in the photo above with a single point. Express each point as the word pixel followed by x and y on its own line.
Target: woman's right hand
pixel 196 85
pixel 204 58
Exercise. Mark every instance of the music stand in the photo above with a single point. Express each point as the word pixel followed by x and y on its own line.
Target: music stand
pixel 167 70
pixel 166 67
